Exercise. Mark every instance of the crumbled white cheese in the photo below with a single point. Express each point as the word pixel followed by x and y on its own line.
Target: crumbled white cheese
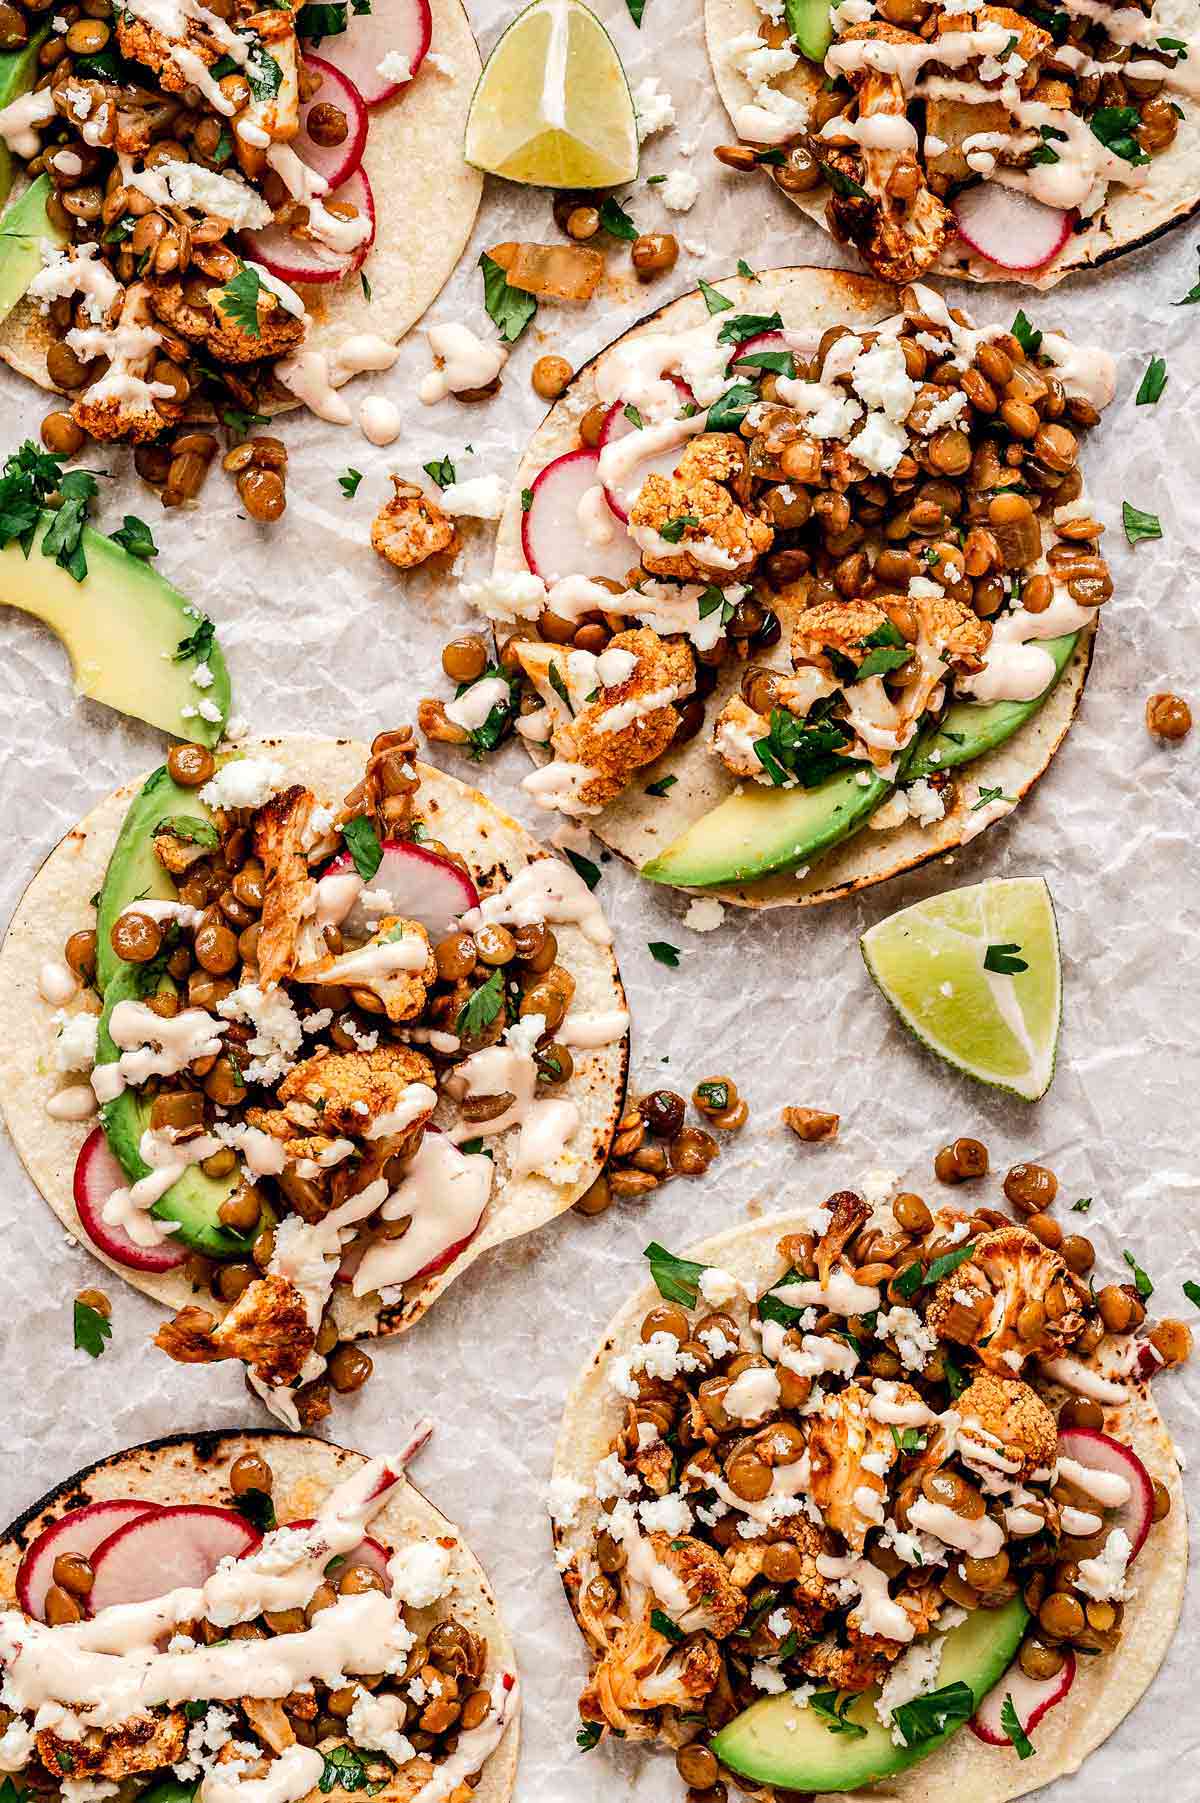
pixel 719 1287
pixel 244 783
pixel 1103 1578
pixel 880 377
pixel 507 597
pixel 705 915
pixel 612 1479
pixel 75 1046
pixel 420 1573
pixel 680 192
pixel 913 1675
pixel 879 444
pixel 767 1677
pixel 479 498
pixel 668 1515
pixel 395 67
pixel 653 107
pixel 925 803
pixel 278 1033
pixel 717 1342
pixel 913 1340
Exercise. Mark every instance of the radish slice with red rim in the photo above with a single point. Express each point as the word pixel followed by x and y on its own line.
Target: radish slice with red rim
pixel 552 538
pixel 82 1531
pixel 618 425
pixel 97 1175
pixel 402 29
pixel 177 1546
pixel 1008 228
pixel 1101 1453
pixel 304 260
pixel 336 162
pixel 369 1552
pixel 777 342
pixel 1031 1698
pixel 423 886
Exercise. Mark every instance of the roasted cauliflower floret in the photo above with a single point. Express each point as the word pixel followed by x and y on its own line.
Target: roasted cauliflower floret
pixel 713 457
pixel 954 629
pixel 1006 1270
pixel 1003 1415
pixel 851 1454
pixel 177 854
pixel 287 911
pixel 894 218
pixel 838 626
pixel 411 527
pixel 267 1328
pixel 142 43
pixel 602 746
pixel 644 1671
pixel 400 984
pixel 106 409
pixel 347 1092
pixel 716 1605
pixel 736 730
pixel 719 539
pixel 853 1668
pixel 140 1745
pixel 222 335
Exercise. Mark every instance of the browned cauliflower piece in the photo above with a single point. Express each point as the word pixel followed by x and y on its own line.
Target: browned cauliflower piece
pixel 716 1604
pixel 953 629
pixel 812 1593
pixel 1005 1415
pixel 724 541
pixel 736 729
pixel 267 1327
pixel 104 409
pixel 411 527
pixel 139 1745
pixel 279 834
pixel 402 991
pixel 855 1667
pixel 842 1434
pixel 176 854
pixel 145 44
pixel 713 457
pixel 839 626
pixel 214 327
pixel 269 1721
pixel 344 1092
pixel 1007 1269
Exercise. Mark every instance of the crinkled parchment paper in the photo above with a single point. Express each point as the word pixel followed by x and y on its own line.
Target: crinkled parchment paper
pixel 323 637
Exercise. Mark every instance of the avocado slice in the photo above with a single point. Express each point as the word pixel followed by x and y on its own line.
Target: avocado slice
pixel 123 627
pixel 22 228
pixel 968 729
pixel 810 24
pixel 758 831
pixel 772 1742
pixel 133 874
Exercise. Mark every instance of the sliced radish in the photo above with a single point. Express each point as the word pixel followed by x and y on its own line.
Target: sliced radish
pixel 336 162
pixel 402 27
pixel 617 424
pixel 168 1549
pixel 1008 228
pixel 82 1531
pixel 97 1175
pixel 1087 1446
pixel 552 536
pixel 1031 1698
pixel 423 886
pixel 367 1552
pixel 764 341
pixel 303 259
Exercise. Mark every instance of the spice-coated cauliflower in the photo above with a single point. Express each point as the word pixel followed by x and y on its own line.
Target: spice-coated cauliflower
pixel 728 539
pixel 267 1328
pixel 890 213
pixel 855 1667
pixel 344 1092
pixel 142 1744
pixel 411 527
pixel 953 629
pixel 104 409
pixel 402 991
pixel 1008 1411
pixel 839 626
pixel 1006 1270
pixel 288 924
pixel 842 1435
pixel 736 730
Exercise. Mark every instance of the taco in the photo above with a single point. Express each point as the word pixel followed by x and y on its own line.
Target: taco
pixel 319 993
pixel 799 555
pixel 841 1482
pixel 220 1609
pixel 991 142
pixel 199 233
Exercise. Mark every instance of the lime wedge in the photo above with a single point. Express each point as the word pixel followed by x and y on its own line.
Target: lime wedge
pixel 951 968
pixel 552 106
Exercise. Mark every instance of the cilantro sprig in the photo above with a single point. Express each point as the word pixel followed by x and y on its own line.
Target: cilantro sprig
pixel 480 1009
pixel 678 1279
pixel 509 308
pixel 92 1329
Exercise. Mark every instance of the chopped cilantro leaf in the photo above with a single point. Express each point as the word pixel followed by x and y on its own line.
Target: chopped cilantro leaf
pixel 92 1330
pixel 730 409
pixel 1004 960
pixel 662 953
pixel 348 483
pixel 1142 1283
pixel 442 471
pixel 673 530
pixel 554 677
pixel 198 644
pixel 1192 1292
pixel 634 417
pixel 744 269
pixel 1026 335
pixel 987 797
pixel 258 1509
pixel 238 299
pixel 480 1009
pixel 526 499
pixel 616 221
pixel 135 537
pixel 587 872
pixel 677 1279
pixel 713 299
pixel 1153 382
pixel 511 309
pixel 63 538
pixel 1139 525
pixel 1081 1207
pixel 363 843
pixel 924 1718
pixel 662 1624
pixel 660 787
pixel 1117 127
pixel 1010 1722
pixel 826 1704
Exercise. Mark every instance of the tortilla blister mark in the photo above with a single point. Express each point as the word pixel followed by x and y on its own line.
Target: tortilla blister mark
pixel 426 202
pixel 1129 220
pixel 57 902
pixel 1106 1688
pixel 638 826
pixel 194 1468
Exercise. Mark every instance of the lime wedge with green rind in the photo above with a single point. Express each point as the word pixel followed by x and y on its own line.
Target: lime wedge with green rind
pixel 552 107
pixel 999 1025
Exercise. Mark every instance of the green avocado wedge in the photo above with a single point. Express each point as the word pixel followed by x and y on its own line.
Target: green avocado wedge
pixel 123 627
pixel 758 831
pixel 135 874
pixel 22 229
pixel 968 729
pixel 811 26
pixel 775 1743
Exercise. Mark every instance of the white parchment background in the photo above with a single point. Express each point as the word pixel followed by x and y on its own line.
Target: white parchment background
pixel 323 637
